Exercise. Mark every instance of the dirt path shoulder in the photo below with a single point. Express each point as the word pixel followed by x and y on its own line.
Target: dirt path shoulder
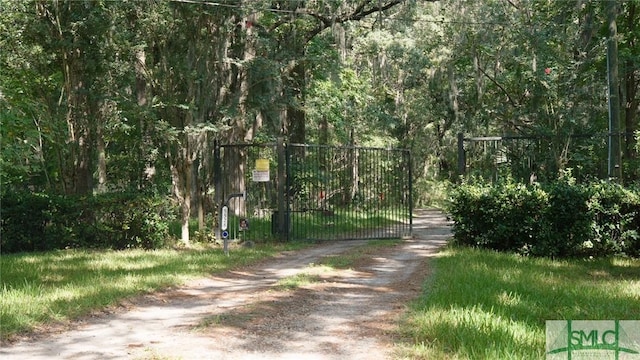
pixel 337 314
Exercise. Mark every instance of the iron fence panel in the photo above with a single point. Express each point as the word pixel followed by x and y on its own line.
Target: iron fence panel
pixel 323 192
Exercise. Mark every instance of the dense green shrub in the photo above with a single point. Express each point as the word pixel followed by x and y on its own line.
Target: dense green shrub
pixel 127 220
pixel 565 221
pixel 503 218
pixel 616 212
pixel 560 219
pixel 38 221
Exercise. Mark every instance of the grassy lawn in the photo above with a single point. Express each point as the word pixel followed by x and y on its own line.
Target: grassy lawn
pixel 485 305
pixel 58 286
pixel 42 288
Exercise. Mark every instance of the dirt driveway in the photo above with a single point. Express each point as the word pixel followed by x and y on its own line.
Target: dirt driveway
pixel 340 314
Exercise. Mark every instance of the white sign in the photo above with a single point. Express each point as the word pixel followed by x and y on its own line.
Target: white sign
pixel 224 218
pixel 260 176
pixel 593 339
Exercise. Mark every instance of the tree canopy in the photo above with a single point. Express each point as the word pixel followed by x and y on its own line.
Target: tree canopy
pixel 99 96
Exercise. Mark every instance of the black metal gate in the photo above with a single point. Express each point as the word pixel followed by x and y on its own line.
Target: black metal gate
pixel 540 157
pixel 313 192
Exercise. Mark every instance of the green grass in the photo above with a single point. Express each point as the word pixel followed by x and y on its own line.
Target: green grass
pixel 308 225
pixel 296 281
pixel 341 223
pixel 42 288
pixel 485 305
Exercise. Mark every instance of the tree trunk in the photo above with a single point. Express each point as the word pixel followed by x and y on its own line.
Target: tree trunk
pixel 79 132
pixel 294 126
pixel 614 98
pixel 181 183
pixel 102 151
pixel 80 108
pixel 186 204
pixel 147 168
pixel 631 83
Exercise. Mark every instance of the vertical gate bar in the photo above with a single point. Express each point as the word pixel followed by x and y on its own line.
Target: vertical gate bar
pixel 461 157
pixel 383 191
pixel 347 201
pixel 344 184
pixel 349 184
pixel 321 194
pixel 387 191
pixel 390 196
pixel 362 153
pixel 410 189
pixel 399 176
pixel 217 181
pixel 289 196
pixel 336 164
pixel 356 201
pixel 397 199
pixel 298 180
pixel 364 197
pixel 364 207
pixel 292 195
pixel 327 176
pixel 331 174
pixel 282 190
pixel 292 171
pixel 389 174
pixel 354 204
pixel 305 182
pixel 357 208
pixel 361 195
pixel 362 200
pixel 382 200
pixel 373 196
pixel 377 195
pixel 311 181
pixel 315 200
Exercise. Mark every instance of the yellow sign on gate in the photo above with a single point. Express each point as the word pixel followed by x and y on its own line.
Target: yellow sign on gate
pixel 261 171
pixel 262 164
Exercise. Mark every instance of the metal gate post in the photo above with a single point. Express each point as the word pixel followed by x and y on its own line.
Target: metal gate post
pixel 461 158
pixel 410 170
pixel 283 231
pixel 217 180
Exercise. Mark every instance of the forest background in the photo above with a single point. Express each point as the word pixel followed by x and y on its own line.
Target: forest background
pixel 111 97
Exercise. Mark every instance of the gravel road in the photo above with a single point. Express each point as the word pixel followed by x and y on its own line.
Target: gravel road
pixel 341 314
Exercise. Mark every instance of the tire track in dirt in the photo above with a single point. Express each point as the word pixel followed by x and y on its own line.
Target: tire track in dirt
pixel 345 313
